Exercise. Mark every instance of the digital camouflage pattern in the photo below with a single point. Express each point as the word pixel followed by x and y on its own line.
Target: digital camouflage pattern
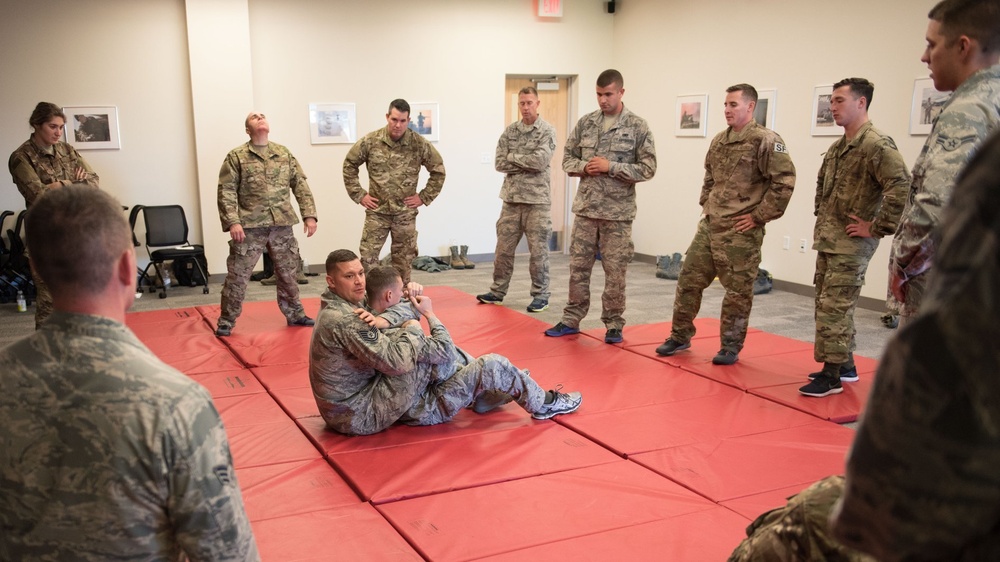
pixel 402 248
pixel 254 188
pixel 613 239
pixel 534 222
pixel 629 147
pixel 524 154
pixel 280 243
pixel 967 119
pixel 393 171
pixel 717 250
pixel 922 477
pixel 746 172
pixel 799 530
pixel 865 177
pixel 32 168
pixel 109 454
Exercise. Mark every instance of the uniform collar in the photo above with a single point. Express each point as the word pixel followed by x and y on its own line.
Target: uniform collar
pixel 732 135
pixel 403 140
pixel 252 148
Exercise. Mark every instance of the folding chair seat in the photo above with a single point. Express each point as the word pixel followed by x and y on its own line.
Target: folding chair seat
pixel 167 230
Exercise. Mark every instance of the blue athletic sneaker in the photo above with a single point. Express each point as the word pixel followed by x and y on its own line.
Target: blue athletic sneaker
pixel 614 335
pixel 560 330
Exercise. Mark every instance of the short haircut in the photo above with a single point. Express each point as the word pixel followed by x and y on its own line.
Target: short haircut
pixel 528 90
pixel 860 87
pixel 339 256
pixel 609 77
pixel 399 105
pixel 76 234
pixel 378 279
pixel 748 91
pixel 979 19
pixel 44 112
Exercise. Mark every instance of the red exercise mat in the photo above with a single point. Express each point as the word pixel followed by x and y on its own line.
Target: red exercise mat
pixel 249 409
pixel 274 377
pixel 194 353
pixel 270 443
pixel 229 383
pixel 296 402
pixel 279 490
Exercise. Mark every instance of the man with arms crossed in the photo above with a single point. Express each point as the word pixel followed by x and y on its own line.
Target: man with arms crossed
pixel 524 154
pixel 106 452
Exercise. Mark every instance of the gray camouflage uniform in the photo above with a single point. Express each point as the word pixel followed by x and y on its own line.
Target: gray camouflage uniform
pixel 524 154
pixel 605 208
pixel 106 453
pixel 365 380
pixel 32 168
pixel 923 474
pixel 748 171
pixel 254 188
pixel 967 119
pixel 393 172
pixel 865 177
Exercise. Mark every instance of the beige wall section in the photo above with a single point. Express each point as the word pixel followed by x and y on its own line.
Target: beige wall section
pixel 129 54
pixel 218 35
pixel 666 49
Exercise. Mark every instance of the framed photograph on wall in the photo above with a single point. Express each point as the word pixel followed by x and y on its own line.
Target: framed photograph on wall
pixel 763 113
pixel 692 115
pixel 333 123
pixel 425 119
pixel 926 105
pixel 822 119
pixel 92 127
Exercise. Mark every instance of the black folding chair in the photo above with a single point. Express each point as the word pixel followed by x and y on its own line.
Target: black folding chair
pixel 167 229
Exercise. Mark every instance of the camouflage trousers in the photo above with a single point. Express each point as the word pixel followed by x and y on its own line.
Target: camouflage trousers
pixel 280 243
pixel 43 300
pixel 378 227
pixel 718 250
pixel 613 239
pixel 799 530
pixel 441 401
pixel 534 222
pixel 838 281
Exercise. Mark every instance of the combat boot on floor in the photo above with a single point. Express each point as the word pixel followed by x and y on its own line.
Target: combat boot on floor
pixel 673 270
pixel 465 258
pixel 300 276
pixel 269 281
pixel 456 260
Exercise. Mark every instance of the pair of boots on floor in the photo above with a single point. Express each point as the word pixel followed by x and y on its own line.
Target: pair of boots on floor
pixel 460 258
pixel 267 277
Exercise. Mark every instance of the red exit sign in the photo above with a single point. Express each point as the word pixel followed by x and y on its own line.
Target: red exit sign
pixel 550 8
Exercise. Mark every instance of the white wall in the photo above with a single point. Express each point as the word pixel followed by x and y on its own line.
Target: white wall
pixel 666 49
pixel 135 55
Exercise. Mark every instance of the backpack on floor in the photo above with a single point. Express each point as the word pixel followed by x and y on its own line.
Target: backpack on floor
pixel 187 274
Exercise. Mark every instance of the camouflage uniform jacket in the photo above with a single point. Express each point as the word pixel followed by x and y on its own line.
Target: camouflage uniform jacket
pixel 393 170
pixel 364 380
pixel 253 188
pixel 748 171
pixel 967 119
pixel 629 148
pixel 32 168
pixel 865 177
pixel 109 454
pixel 922 475
pixel 442 358
pixel 524 154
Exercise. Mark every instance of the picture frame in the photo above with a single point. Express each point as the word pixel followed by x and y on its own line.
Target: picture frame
pixel 692 116
pixel 823 124
pixel 425 120
pixel 333 123
pixel 764 111
pixel 926 105
pixel 92 127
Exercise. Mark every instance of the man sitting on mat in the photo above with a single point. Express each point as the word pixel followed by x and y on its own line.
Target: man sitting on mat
pixel 364 380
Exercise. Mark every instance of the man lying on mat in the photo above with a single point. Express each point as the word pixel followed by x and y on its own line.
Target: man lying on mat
pixel 365 380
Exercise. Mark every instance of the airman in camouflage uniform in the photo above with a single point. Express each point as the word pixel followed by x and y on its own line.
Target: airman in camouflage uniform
pixel 255 209
pixel 393 156
pixel 365 380
pixel 799 530
pixel 969 68
pixel 44 162
pixel 749 177
pixel 922 475
pixel 610 150
pixel 860 193
pixel 106 452
pixel 524 154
